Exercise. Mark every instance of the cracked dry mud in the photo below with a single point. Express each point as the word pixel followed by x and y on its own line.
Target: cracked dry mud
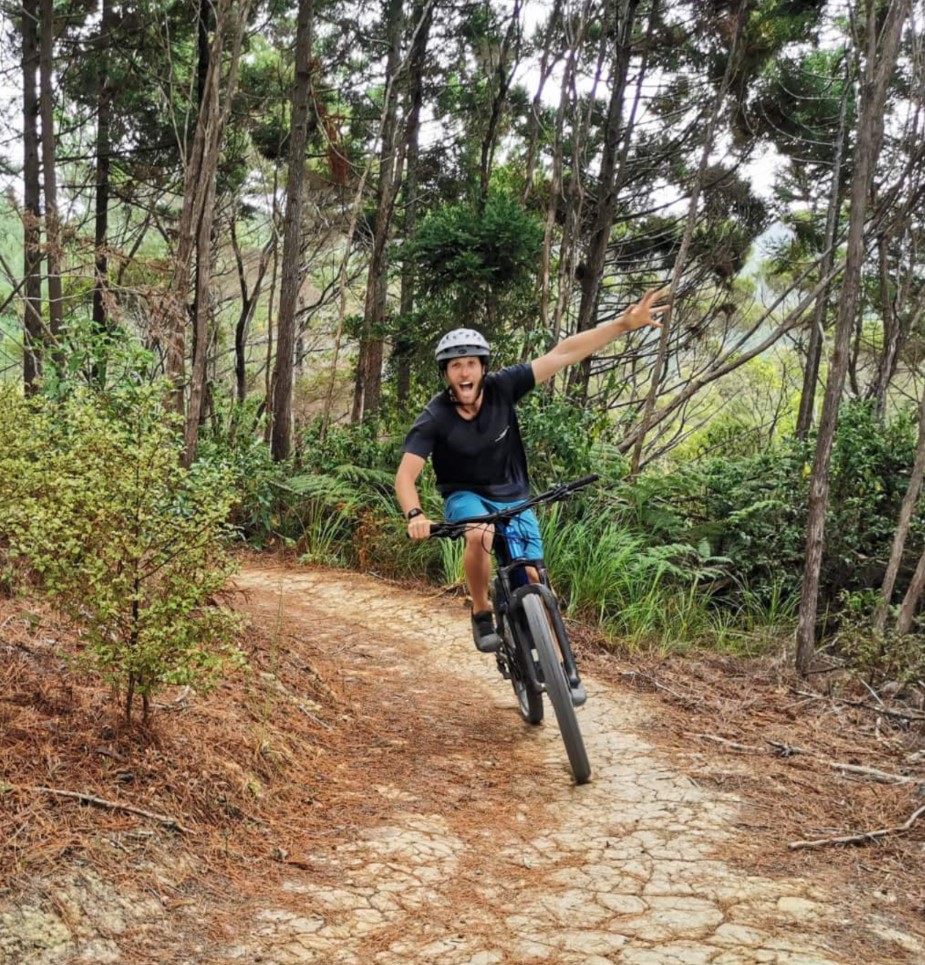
pixel 623 870
pixel 453 834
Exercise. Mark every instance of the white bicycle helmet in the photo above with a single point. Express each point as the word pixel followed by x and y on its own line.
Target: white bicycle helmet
pixel 459 343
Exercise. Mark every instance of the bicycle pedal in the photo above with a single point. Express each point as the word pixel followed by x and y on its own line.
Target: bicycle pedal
pixel 579 694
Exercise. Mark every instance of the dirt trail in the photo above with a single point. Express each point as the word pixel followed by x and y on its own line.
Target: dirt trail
pixel 441 830
pixel 488 854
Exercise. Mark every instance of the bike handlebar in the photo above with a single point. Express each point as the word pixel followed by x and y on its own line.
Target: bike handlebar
pixel 457 528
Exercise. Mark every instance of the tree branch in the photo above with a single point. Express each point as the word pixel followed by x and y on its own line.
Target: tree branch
pixel 99 802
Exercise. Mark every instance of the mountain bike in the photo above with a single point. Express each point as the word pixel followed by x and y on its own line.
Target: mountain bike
pixel 535 654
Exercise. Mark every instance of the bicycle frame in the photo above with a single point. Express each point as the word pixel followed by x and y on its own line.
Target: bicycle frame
pixel 535 653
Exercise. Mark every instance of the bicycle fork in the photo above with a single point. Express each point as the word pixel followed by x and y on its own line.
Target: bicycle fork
pixel 552 608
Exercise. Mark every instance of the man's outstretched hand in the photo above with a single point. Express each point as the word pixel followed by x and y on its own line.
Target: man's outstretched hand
pixel 646 311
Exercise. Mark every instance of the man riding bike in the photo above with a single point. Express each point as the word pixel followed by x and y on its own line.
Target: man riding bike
pixel 470 432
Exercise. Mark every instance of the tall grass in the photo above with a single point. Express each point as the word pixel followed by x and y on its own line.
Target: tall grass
pixel 330 507
pixel 642 595
pixel 757 622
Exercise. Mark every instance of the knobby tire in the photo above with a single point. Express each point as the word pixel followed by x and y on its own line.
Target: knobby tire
pixel 557 686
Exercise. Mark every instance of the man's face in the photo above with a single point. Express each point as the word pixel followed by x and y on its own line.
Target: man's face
pixel 464 376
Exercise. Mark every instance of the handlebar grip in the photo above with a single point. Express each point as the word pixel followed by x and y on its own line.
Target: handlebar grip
pixel 450 530
pixel 584 481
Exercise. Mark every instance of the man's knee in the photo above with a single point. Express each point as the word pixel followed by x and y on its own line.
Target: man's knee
pixel 480 537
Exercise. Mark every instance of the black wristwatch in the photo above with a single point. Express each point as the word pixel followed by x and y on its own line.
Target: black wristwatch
pixel 417 511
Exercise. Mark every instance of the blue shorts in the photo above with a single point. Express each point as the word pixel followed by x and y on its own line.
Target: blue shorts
pixel 523 531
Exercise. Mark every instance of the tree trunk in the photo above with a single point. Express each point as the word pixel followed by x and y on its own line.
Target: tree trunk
pixel 817 326
pixel 567 108
pixel 49 173
pixel 905 518
pixel 503 79
pixel 574 195
pixel 207 99
pixel 878 68
pixel 32 214
pixel 198 389
pixel 198 190
pixel 281 412
pixel 423 16
pixel 249 301
pixel 593 272
pixel 101 321
pixel 368 382
pixel 680 264
pixel 900 318
pixel 278 229
pixel 911 599
pixel 551 32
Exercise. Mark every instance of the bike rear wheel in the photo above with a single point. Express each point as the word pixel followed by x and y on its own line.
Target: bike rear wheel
pixel 557 686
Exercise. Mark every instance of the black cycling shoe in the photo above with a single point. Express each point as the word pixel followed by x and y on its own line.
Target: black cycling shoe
pixel 483 632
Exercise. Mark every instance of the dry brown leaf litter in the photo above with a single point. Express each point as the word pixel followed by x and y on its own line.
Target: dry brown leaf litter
pixel 279 764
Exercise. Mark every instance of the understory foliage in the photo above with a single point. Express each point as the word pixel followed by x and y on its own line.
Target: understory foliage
pixel 708 553
pixel 96 509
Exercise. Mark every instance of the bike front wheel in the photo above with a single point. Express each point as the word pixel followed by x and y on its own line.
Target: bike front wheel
pixel 557 685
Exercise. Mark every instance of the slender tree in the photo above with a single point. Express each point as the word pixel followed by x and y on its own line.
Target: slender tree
pixel 910 501
pixel 102 173
pixel 195 218
pixel 882 46
pixel 500 87
pixel 368 381
pixel 417 62
pixel 575 33
pixel 281 410
pixel 816 330
pixel 49 168
pixel 621 25
pixel 33 334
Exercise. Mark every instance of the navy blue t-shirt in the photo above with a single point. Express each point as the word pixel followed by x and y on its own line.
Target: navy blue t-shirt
pixel 484 455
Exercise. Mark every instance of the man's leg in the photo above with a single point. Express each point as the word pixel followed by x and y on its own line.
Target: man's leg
pixel 477 566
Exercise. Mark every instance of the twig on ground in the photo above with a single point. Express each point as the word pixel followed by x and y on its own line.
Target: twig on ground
pixel 786 750
pixel 881 777
pixel 863 838
pixel 734 745
pixel 899 714
pixel 99 802
pixel 655 683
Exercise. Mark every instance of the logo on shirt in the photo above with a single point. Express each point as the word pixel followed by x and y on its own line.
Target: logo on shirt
pixel 503 434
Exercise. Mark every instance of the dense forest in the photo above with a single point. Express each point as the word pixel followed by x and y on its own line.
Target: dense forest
pixel 233 232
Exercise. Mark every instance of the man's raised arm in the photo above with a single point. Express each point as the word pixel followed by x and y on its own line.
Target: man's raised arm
pixel 576 348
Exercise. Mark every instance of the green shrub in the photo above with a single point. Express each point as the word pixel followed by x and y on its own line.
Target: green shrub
pixel 130 546
pixel 878 656
pixel 753 509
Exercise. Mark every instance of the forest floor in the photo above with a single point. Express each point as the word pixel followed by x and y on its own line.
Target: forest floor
pixel 366 793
